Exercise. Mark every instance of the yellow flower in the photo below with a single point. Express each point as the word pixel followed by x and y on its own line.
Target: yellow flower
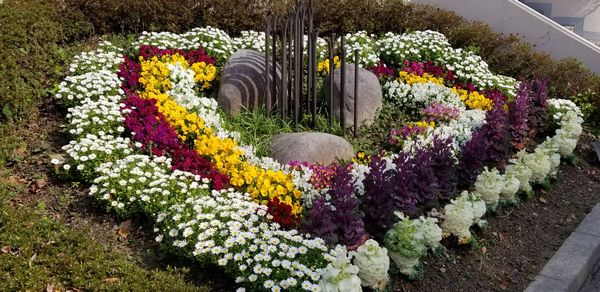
pixel 410 78
pixel 263 185
pixel 323 67
pixel 474 100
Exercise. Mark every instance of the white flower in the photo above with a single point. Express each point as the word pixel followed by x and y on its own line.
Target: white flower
pixel 373 264
pixel 490 184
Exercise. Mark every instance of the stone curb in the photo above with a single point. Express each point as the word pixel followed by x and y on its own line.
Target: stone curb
pixel 568 269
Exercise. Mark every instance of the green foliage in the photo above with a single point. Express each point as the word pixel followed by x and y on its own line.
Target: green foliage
pixel 39 252
pixel 30 54
pixel 256 128
pixel 374 136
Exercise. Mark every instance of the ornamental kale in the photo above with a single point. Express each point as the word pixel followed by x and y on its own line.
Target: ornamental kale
pixel 339 220
pixel 538 103
pixel 519 112
pixel 376 202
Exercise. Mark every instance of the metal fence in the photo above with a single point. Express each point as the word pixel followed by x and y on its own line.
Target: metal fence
pixel 297 94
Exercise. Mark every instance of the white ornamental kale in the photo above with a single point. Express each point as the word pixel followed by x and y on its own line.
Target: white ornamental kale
pixel 461 213
pixel 550 148
pixel 538 162
pixel 511 187
pixel 490 184
pixel 408 241
pixel 340 275
pixel 373 263
pixel 518 169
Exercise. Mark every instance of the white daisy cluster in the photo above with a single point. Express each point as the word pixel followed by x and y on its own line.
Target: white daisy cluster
pixel 214 41
pixel 367 46
pixel 106 57
pixel 183 91
pixel 419 95
pixel 95 116
pixel 90 150
pixel 139 183
pixel 432 45
pixel 419 45
pixel 409 240
pixel 225 227
pixel 251 40
pixel 373 263
pixel 91 85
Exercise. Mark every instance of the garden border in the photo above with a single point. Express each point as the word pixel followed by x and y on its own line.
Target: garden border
pixel 568 269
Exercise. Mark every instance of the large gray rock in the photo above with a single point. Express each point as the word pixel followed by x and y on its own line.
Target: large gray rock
pixel 370 97
pixel 310 147
pixel 243 81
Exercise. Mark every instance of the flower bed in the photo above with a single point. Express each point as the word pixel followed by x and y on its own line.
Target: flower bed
pixel 149 137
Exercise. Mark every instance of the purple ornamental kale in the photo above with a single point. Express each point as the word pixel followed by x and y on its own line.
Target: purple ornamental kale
pixel 377 202
pixel 340 220
pixel 519 113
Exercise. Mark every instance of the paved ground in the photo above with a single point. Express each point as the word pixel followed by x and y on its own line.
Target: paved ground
pixel 592 283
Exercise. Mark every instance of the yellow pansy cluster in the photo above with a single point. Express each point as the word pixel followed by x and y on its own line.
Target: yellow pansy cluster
pixel 155 72
pixel 410 78
pixel 262 184
pixel 422 124
pixel 323 66
pixel 474 99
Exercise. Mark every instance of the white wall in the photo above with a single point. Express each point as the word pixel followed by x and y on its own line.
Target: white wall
pixel 512 16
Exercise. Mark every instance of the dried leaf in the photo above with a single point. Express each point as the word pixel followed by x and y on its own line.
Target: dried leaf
pixel 123 230
pixel 6 249
pixel 39 184
pixel 443 270
pixel 501 236
pixel 542 200
pixel 111 280
pixel 31 259
pixel 503 286
pixel 49 287
pixel 484 250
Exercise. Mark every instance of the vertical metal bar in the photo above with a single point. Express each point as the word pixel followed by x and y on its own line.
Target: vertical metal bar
pixel 274 62
pixel 284 81
pixel 297 67
pixel 342 83
pixel 267 100
pixel 313 85
pixel 291 67
pixel 356 61
pixel 331 77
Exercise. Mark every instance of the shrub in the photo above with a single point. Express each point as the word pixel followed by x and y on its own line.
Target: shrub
pixel 30 55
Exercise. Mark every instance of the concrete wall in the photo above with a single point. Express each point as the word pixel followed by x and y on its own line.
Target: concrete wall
pixel 582 16
pixel 512 16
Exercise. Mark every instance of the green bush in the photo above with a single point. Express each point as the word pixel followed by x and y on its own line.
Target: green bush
pixel 30 54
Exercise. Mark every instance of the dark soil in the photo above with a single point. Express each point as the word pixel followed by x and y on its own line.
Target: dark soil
pixel 519 241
